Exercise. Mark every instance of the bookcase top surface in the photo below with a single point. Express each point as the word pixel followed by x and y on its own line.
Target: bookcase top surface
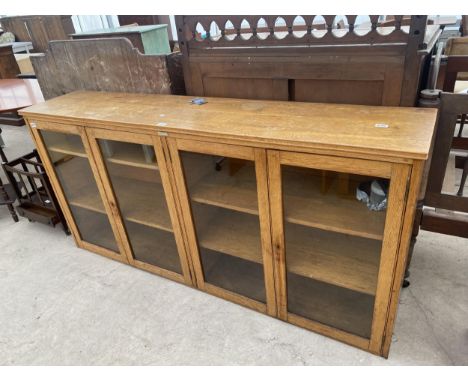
pixel 400 132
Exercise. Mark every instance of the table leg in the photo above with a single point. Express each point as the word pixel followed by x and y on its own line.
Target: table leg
pixel 3 157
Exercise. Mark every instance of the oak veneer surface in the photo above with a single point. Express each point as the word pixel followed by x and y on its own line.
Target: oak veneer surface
pixel 314 125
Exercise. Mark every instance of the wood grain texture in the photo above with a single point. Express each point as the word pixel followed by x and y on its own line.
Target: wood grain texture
pixel 185 214
pixel 350 69
pixel 328 331
pixel 277 231
pixel 393 226
pixel 328 250
pixel 295 124
pixel 90 200
pixel 8 66
pixel 109 206
pixel 402 256
pixel 261 171
pixel 175 206
pixel 110 64
pixel 163 159
pixel 39 29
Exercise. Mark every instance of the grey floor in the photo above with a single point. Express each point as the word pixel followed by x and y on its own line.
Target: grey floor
pixel 60 305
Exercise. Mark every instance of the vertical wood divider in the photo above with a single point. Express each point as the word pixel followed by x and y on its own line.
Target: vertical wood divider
pixel 114 216
pixel 261 169
pixel 277 232
pixel 405 239
pixel 184 210
pixel 170 190
pixel 111 210
pixel 388 259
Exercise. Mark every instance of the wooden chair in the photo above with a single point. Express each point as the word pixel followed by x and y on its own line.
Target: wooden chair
pixel 463 177
pixel 32 188
pixel 7 198
pixel 457 46
pixel 7 194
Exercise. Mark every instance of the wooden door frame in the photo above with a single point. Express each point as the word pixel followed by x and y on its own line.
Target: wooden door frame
pixel 94 134
pixel 399 174
pixel 258 157
pixel 34 127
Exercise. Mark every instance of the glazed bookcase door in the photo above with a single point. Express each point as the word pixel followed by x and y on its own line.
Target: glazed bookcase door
pixel 65 152
pixel 331 247
pixel 136 180
pixel 223 197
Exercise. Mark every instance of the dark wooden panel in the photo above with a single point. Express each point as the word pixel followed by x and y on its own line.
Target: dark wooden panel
pixel 176 74
pixel 464 26
pixel 111 64
pixel 448 224
pixel 39 29
pixel 250 88
pixel 347 78
pixel 350 69
pixel 339 91
pixel 446 201
pixel 138 19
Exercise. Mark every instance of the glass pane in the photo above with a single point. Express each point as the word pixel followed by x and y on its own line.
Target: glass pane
pixel 137 186
pixel 334 224
pixel 224 203
pixel 79 186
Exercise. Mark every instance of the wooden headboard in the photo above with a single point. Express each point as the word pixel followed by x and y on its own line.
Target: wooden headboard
pixel 331 61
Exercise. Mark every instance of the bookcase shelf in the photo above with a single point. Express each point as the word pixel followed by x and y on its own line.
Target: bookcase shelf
pixel 130 155
pixel 68 149
pixel 306 205
pixel 146 201
pixel 251 201
pixel 338 259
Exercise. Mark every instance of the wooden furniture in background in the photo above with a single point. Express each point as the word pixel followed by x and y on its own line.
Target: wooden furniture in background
pixel 455 66
pixel 442 208
pixel 303 62
pixel 24 63
pixel 139 20
pixel 39 29
pixel 442 212
pixel 21 46
pixel 275 227
pixel 8 66
pixel 148 39
pixel 7 198
pixel 32 189
pixel 150 20
pixel 464 25
pixel 433 197
pixel 457 46
pixel 110 64
pixel 16 94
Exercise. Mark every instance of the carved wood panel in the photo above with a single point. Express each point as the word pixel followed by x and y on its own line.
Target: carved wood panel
pixel 334 61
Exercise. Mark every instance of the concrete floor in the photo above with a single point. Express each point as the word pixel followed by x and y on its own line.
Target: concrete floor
pixel 60 305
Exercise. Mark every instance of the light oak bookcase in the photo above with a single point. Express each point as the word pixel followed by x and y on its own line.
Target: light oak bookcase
pixel 252 201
